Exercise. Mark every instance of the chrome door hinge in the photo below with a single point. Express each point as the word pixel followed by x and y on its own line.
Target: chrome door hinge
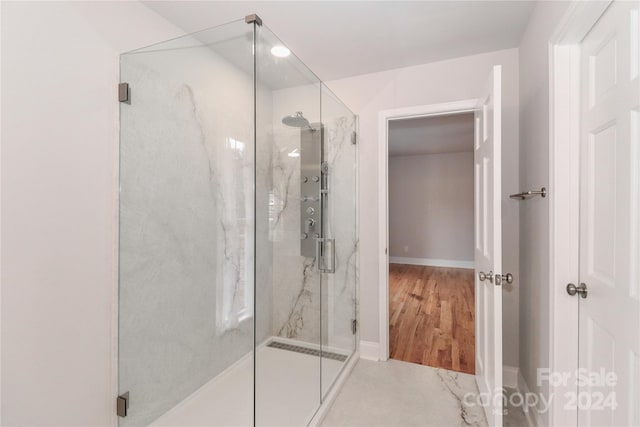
pixel 354 326
pixel 354 137
pixel 124 93
pixel 122 405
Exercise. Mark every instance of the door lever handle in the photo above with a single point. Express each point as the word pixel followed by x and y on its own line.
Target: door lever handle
pixel 486 276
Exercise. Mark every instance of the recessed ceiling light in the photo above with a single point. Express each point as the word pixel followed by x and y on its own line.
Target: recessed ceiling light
pixel 280 51
pixel 294 153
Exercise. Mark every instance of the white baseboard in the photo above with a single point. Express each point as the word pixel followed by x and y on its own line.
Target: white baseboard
pixel 533 418
pixel 431 262
pixel 510 377
pixel 369 350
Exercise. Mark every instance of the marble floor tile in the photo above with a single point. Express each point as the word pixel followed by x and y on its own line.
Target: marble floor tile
pixel 395 393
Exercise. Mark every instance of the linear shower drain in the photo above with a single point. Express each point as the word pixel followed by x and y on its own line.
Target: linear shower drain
pixel 309 351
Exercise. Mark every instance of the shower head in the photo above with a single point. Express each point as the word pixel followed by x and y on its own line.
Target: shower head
pixel 296 120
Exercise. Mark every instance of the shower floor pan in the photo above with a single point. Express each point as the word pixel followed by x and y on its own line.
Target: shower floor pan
pixel 287 389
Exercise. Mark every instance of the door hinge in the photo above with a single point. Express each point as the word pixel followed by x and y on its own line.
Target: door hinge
pixel 122 406
pixel 354 326
pixel 124 94
pixel 354 137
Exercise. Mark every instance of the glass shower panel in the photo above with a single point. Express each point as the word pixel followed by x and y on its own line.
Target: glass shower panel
pixel 186 243
pixel 288 222
pixel 340 239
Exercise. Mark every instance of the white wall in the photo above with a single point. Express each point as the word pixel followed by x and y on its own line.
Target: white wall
pixel 431 207
pixel 534 173
pixel 438 82
pixel 59 146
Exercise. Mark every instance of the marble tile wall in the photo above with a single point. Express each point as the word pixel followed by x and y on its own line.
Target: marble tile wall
pixel 296 283
pixel 301 310
pixel 340 286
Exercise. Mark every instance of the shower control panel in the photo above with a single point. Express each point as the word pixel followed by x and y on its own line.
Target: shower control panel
pixel 311 195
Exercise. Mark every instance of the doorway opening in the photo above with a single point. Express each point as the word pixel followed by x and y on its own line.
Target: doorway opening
pixel 431 240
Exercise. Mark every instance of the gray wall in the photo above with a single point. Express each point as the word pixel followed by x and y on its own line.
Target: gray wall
pixel 431 206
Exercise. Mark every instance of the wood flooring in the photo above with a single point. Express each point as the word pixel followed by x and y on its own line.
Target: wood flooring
pixel 431 316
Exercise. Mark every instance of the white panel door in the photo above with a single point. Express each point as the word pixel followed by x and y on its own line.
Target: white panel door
pixel 488 245
pixel 609 316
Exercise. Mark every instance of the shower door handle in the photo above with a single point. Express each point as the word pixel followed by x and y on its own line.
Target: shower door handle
pixel 321 251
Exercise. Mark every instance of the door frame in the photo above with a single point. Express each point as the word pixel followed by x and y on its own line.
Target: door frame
pixel 564 197
pixel 384 117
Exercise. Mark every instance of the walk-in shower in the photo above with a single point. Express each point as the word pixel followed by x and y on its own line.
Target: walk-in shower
pixel 237 248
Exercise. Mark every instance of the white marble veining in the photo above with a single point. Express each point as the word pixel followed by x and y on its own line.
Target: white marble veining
pixel 296 302
pixel 341 225
pixel 299 290
pixel 394 393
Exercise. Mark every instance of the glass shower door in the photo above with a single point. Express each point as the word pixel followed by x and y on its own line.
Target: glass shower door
pixel 339 257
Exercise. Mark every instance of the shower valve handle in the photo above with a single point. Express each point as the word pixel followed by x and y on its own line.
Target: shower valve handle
pixel 309 224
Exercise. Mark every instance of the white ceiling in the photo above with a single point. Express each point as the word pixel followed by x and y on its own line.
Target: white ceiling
pixel 338 39
pixel 431 135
